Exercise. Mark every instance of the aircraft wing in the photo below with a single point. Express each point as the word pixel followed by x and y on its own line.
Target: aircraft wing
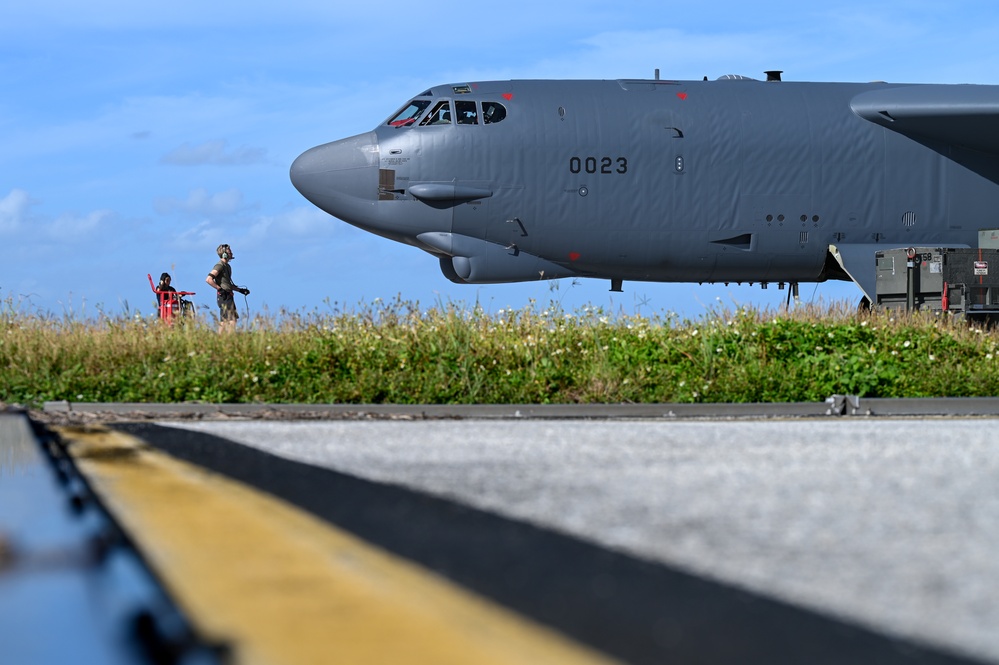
pixel 964 115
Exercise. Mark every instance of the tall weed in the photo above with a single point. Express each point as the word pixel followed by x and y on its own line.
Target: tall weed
pixel 400 352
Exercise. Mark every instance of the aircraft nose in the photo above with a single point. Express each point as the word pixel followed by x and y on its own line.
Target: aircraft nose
pixel 336 175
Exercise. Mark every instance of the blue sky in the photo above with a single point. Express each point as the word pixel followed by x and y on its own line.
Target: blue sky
pixel 136 137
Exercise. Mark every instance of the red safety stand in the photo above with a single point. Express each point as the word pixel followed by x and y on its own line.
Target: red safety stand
pixel 169 301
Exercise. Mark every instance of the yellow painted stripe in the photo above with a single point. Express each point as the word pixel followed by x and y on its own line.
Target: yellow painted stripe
pixel 284 587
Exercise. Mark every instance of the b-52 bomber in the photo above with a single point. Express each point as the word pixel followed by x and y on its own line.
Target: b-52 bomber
pixel 730 180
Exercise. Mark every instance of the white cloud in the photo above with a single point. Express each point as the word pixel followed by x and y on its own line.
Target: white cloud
pixel 213 152
pixel 70 227
pixel 13 210
pixel 204 234
pixel 201 202
pixel 297 223
pixel 269 231
pixel 683 54
pixel 853 43
pixel 67 227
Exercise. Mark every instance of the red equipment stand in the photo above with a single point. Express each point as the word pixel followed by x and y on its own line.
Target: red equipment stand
pixel 169 301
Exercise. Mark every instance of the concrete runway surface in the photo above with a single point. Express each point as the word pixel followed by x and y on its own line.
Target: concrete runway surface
pixel 847 540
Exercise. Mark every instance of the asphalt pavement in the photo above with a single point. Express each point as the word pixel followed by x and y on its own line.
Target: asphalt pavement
pixel 884 529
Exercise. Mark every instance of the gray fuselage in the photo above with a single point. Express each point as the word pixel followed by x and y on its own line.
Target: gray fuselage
pixel 728 180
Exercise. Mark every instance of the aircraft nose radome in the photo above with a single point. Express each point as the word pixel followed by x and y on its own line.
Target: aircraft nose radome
pixel 345 169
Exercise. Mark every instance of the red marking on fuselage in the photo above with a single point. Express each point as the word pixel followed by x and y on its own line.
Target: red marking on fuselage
pixel 507 96
pixel 573 256
pixel 681 95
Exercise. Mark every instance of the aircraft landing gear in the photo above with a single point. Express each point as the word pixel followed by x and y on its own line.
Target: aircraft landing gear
pixel 792 293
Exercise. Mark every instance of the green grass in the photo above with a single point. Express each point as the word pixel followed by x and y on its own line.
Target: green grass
pixel 399 352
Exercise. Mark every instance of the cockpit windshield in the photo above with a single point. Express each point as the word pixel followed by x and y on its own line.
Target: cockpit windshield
pixel 466 113
pixel 410 113
pixel 441 115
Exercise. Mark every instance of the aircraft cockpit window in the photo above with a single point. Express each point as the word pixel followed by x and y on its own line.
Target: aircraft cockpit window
pixel 410 114
pixel 492 112
pixel 467 113
pixel 441 115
